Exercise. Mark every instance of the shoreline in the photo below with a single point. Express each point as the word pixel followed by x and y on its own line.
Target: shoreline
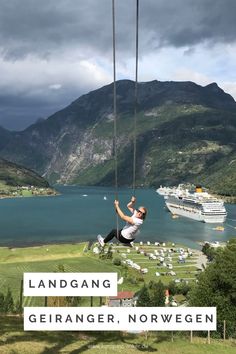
pixel 32 244
pixel 52 194
pixel 11 245
pixel 60 247
pixel 77 241
pixel 225 198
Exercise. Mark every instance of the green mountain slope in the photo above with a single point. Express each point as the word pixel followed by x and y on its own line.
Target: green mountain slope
pixel 178 144
pixel 185 133
pixel 15 175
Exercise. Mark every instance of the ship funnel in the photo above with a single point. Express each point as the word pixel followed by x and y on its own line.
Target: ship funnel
pixel 198 189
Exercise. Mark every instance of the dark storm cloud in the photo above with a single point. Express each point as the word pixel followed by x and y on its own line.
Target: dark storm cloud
pixel 17 113
pixel 55 30
pixel 189 22
pixel 42 27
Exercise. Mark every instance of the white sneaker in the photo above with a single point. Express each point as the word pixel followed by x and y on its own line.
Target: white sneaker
pixel 101 240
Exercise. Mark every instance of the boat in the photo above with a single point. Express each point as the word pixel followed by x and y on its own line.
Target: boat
pixel 167 191
pixel 219 228
pixel 198 205
pixel 164 191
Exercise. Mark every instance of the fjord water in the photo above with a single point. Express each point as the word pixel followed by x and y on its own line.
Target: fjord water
pixel 81 213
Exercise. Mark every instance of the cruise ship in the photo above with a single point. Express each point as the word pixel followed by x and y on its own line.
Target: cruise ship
pixel 167 191
pixel 164 191
pixel 199 205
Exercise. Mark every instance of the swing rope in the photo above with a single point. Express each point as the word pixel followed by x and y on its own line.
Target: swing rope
pixel 135 100
pixel 115 106
pixel 115 111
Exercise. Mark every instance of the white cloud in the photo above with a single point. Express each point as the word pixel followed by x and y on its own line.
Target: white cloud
pixel 55 87
pixel 183 74
pixel 33 75
pixel 229 87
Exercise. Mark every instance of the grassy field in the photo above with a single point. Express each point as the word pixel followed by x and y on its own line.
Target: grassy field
pixel 13 340
pixel 184 271
pixel 77 258
pixel 15 261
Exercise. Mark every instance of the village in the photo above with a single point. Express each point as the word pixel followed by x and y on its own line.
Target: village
pixel 145 262
pixel 25 191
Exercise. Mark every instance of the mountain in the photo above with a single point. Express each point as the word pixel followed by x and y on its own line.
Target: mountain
pixel 185 133
pixel 15 175
pixel 5 137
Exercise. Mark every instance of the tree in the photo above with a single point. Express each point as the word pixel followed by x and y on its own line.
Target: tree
pixel 152 295
pixel 116 261
pixel 8 302
pixel 60 268
pixel 209 251
pixel 143 297
pixel 2 303
pixel 217 287
pixel 18 307
pixel 172 288
pixel 183 288
pixel 157 293
pixel 109 252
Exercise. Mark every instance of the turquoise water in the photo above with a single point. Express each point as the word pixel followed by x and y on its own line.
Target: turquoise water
pixel 74 217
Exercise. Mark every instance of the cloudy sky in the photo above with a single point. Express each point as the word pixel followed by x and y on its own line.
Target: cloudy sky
pixel 53 51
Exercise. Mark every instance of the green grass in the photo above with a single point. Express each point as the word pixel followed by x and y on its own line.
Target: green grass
pixel 14 262
pixel 76 258
pixel 26 193
pixel 13 340
pixel 4 188
pixel 45 252
pixel 183 271
pixel 47 258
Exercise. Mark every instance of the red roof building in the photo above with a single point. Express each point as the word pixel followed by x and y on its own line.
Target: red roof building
pixel 123 299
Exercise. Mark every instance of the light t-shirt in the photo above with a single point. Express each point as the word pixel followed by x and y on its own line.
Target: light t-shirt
pixel 129 230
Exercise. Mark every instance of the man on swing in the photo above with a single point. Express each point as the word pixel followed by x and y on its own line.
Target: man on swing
pixel 127 234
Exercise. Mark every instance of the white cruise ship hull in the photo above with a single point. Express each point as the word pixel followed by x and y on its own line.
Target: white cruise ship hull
pixel 176 210
pixel 195 213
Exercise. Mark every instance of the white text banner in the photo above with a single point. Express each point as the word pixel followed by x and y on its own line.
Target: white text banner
pixel 70 284
pixel 119 318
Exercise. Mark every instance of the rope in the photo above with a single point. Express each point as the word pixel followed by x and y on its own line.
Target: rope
pixel 114 98
pixel 114 109
pixel 135 100
pixel 115 105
